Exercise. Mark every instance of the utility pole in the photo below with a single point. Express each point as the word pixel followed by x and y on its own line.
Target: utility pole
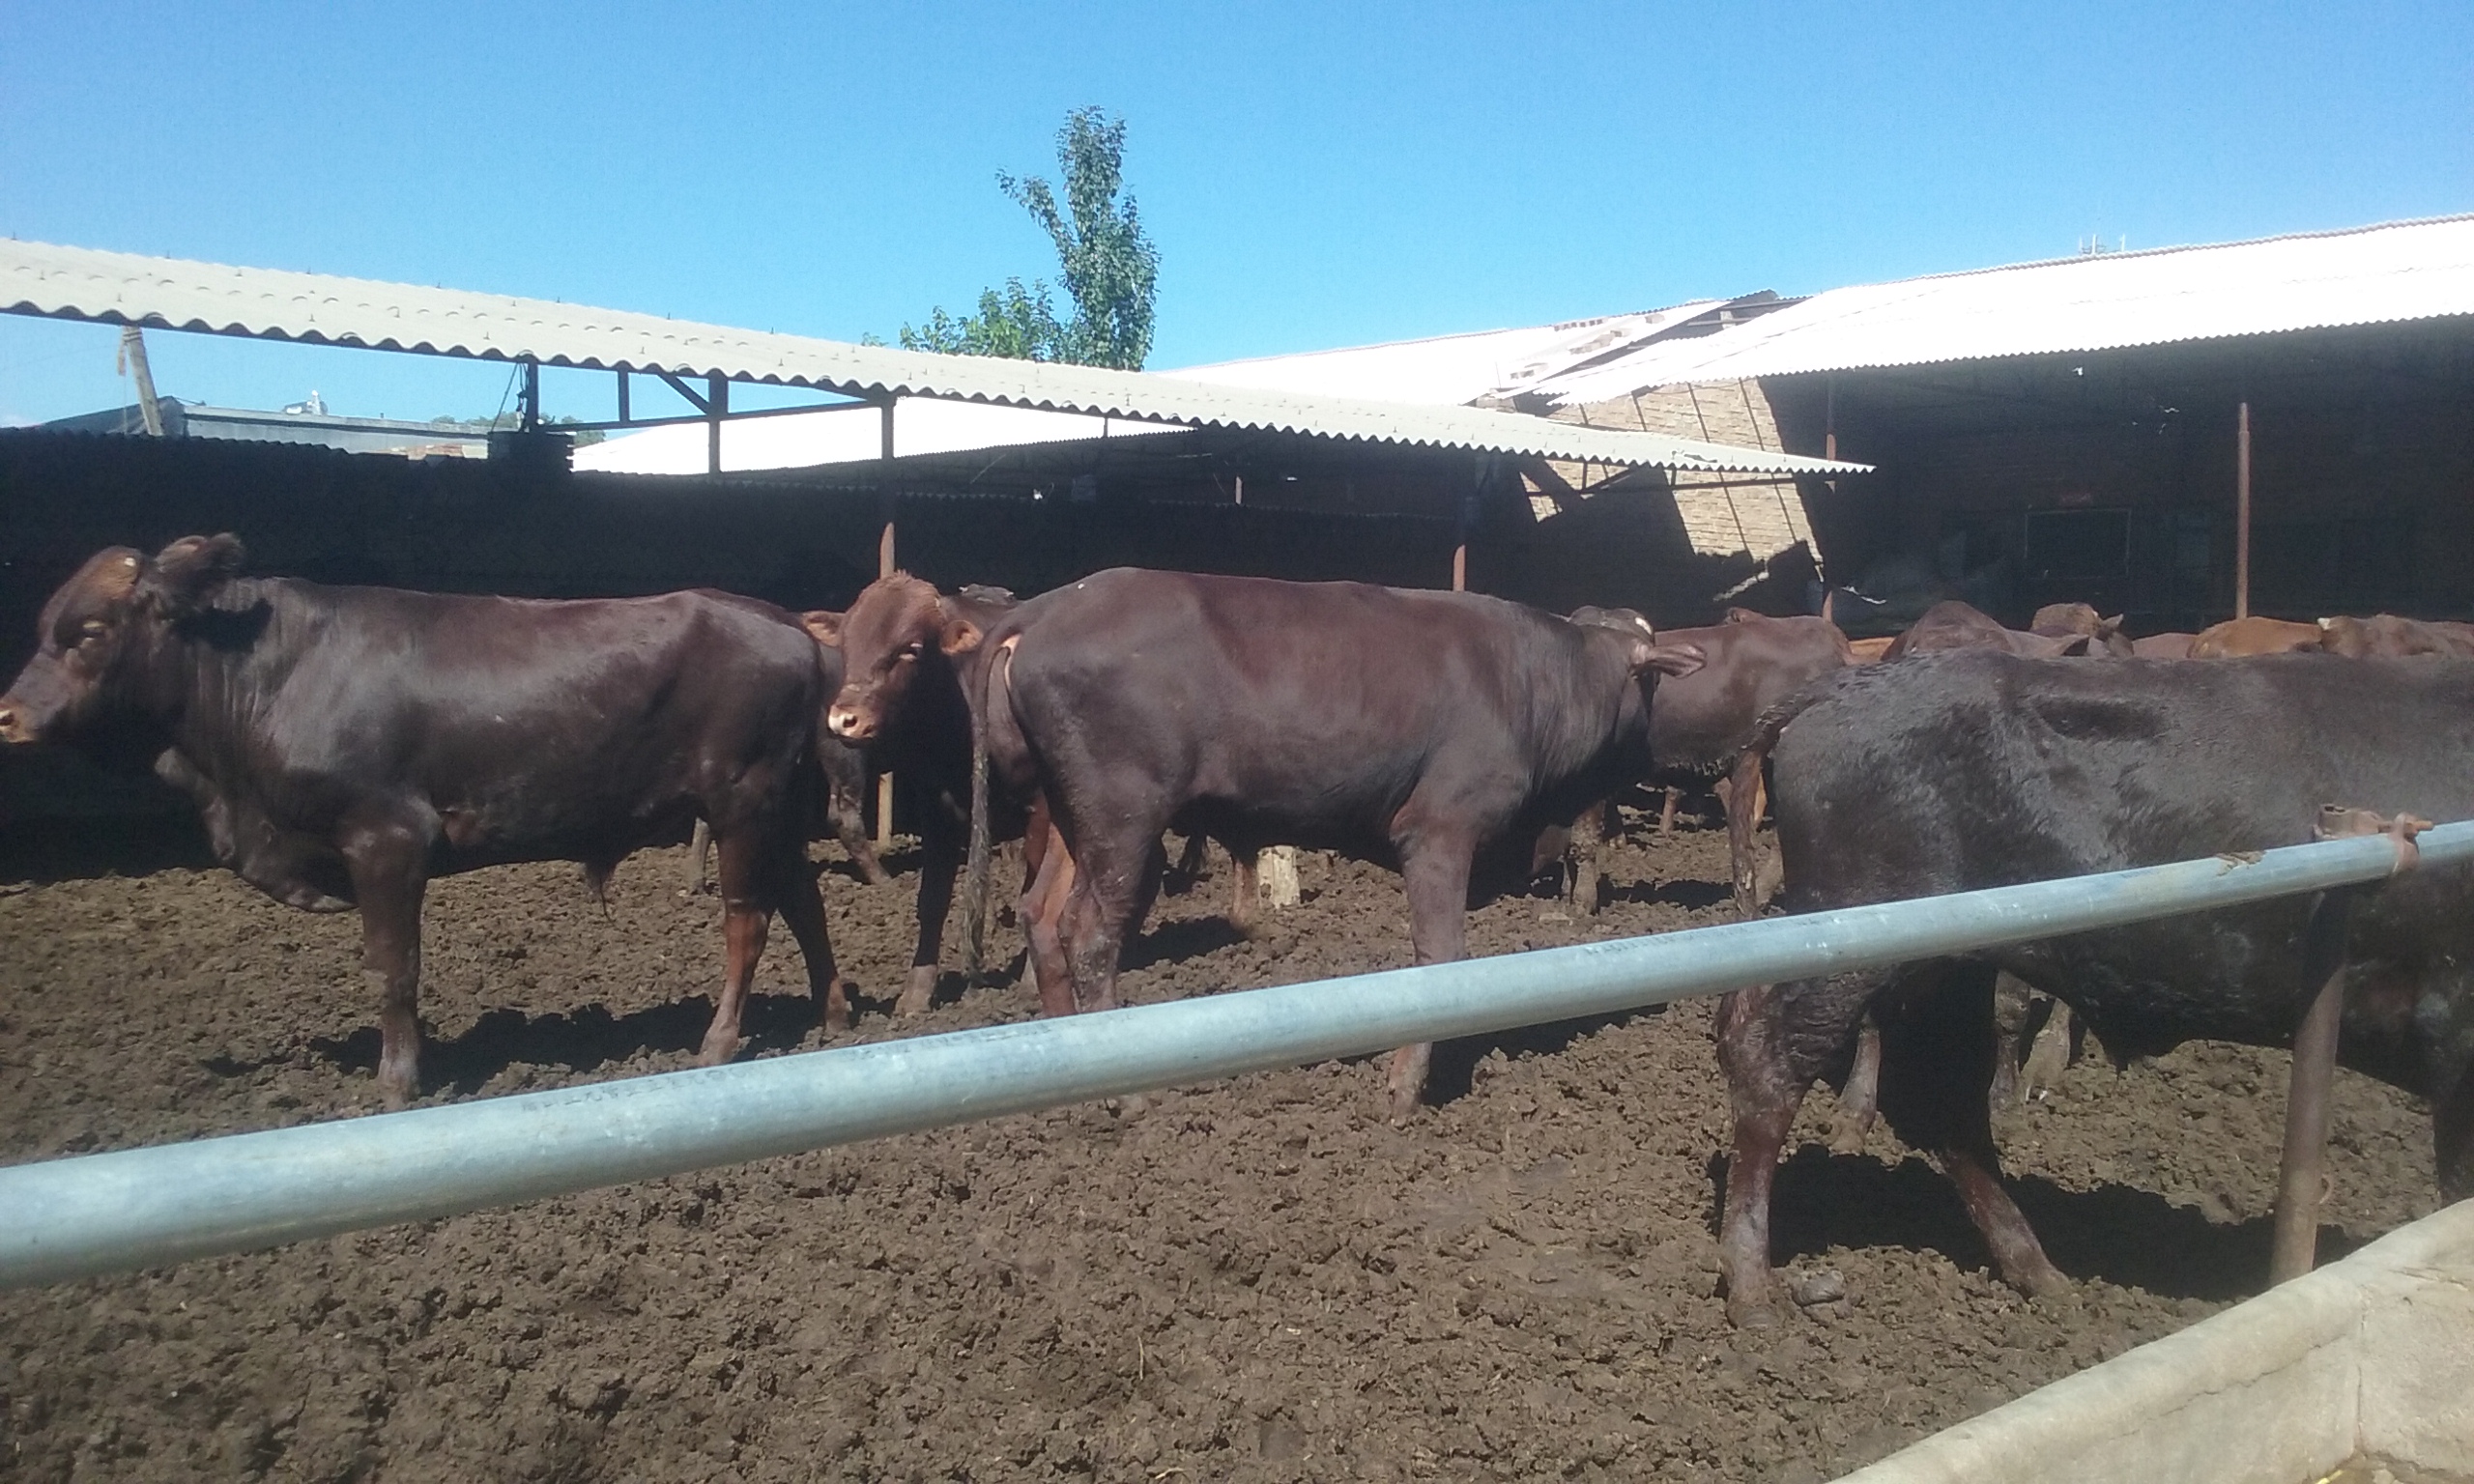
pixel 132 359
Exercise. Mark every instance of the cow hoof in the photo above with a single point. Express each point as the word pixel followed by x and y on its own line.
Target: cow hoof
pixel 717 1049
pixel 836 1017
pixel 1755 1310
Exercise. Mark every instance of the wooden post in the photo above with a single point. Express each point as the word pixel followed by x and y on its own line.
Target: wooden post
pixel 886 569
pixel 133 354
pixel 1460 565
pixel 2243 514
pixel 1278 876
pixel 2294 1238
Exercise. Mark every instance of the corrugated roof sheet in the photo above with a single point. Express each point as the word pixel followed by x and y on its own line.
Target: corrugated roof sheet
pixel 124 288
pixel 805 439
pixel 1442 370
pixel 2366 275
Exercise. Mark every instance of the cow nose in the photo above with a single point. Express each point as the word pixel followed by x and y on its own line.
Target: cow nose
pixel 845 722
pixel 10 730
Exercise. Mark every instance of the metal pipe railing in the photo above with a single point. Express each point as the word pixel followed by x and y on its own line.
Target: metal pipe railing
pixel 141 1207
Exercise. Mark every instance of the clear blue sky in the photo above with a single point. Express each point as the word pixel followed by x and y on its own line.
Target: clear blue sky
pixel 1314 175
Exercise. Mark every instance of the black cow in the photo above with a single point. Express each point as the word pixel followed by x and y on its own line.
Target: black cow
pixel 347 744
pixel 1953 772
pixel 1407 727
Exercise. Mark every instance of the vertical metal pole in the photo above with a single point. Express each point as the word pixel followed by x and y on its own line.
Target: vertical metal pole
pixel 623 396
pixel 886 569
pixel 528 415
pixel 717 405
pixel 2243 514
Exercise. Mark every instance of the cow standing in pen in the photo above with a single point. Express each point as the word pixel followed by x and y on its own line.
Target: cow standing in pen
pixel 1411 727
pixel 1971 770
pixel 346 745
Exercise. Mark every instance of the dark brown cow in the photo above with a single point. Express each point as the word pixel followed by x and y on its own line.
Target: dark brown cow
pixel 2238 638
pixel 348 744
pixel 1700 721
pixel 1954 625
pixel 1406 727
pixel 1974 770
pixel 905 653
pixel 2385 636
pixel 846 779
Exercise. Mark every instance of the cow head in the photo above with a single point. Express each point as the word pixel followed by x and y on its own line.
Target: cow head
pixel 897 627
pixel 101 623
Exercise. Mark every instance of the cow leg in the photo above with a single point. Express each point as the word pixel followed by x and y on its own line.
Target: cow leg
pixel 1588 843
pixel 1773 1040
pixel 1103 907
pixel 1434 868
pixel 851 827
pixel 802 907
pixel 1048 874
pixel 1938 1044
pixel 1247 892
pixel 1043 913
pixel 389 868
pixel 1666 810
pixel 940 859
pixel 1859 1100
pixel 1744 797
pixel 747 913
pixel 700 844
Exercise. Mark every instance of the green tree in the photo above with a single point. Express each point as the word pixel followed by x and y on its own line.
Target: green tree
pixel 1110 270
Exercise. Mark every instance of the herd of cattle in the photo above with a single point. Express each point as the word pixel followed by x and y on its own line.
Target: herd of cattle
pixel 345 745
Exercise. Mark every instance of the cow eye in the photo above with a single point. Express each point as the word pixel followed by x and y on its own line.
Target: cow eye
pixel 94 628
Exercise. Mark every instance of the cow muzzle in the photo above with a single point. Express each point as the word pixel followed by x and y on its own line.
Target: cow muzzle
pixel 849 724
pixel 13 723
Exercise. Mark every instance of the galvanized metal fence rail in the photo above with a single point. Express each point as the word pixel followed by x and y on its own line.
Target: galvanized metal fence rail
pixel 69 1219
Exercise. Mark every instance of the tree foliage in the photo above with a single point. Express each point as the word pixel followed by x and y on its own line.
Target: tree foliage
pixel 1110 268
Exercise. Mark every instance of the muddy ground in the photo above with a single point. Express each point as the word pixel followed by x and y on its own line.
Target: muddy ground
pixel 1253 1280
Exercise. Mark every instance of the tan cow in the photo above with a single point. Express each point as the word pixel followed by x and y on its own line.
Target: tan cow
pixel 2240 638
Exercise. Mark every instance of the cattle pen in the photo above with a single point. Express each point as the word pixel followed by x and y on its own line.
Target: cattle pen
pixel 137 1208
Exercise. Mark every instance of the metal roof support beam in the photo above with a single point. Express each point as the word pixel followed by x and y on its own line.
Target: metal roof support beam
pixel 886 569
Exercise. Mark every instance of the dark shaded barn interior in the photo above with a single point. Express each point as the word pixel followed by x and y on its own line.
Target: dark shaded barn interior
pixel 2110 476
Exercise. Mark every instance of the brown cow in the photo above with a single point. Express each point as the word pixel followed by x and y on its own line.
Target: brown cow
pixel 348 744
pixel 2066 620
pixel 2163 647
pixel 1954 625
pixel 2242 638
pixel 1408 727
pixel 907 655
pixel 2385 636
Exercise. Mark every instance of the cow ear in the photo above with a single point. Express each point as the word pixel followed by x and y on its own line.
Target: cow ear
pixel 960 635
pixel 823 626
pixel 190 571
pixel 1666 659
pixel 2112 625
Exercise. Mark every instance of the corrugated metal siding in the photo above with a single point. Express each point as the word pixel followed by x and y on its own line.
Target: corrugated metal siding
pixel 2369 275
pixel 84 283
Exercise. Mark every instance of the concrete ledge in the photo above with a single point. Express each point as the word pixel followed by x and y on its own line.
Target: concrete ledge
pixel 2371 1355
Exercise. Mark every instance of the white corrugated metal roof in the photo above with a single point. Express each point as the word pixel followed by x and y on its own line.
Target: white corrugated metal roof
pixel 1444 370
pixel 2366 275
pixel 805 439
pixel 84 283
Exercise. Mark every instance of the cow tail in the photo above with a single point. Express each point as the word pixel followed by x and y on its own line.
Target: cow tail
pixel 975 868
pixel 1747 791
